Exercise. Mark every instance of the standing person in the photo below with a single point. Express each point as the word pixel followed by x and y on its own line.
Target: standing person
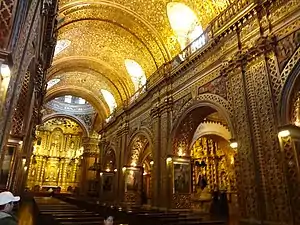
pixel 7 200
pixel 108 220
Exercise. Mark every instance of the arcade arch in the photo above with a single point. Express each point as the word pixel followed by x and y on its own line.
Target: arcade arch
pixel 138 170
pixel 201 142
pixel 290 95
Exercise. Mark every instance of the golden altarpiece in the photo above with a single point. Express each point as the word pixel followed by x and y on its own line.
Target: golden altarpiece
pixel 213 164
pixel 56 157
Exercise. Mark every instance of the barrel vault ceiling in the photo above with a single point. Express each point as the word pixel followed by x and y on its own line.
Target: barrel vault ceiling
pixel 99 35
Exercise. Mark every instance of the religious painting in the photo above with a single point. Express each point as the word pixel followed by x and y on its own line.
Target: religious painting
pixel 51 173
pixel 132 178
pixel 107 183
pixel 181 178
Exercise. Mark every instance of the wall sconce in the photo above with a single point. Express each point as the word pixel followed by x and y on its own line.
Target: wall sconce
pixel 152 163
pixel 25 168
pixel 107 170
pixel 115 170
pixel 24 161
pixel 5 71
pixel 169 159
pixel 233 144
pixel 124 169
pixel 101 174
pixel 284 133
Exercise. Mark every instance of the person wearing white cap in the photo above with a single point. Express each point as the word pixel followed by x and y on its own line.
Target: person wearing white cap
pixel 7 200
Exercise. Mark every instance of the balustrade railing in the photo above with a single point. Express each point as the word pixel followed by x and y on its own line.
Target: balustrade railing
pixel 229 14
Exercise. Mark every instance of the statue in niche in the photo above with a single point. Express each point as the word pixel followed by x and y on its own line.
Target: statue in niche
pixel 210 146
pixel 55 146
pixel 51 174
pixel 223 185
pixel 33 172
pixel 68 175
pixel 72 145
pixel 202 181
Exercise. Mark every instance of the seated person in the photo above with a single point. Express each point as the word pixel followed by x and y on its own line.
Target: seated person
pixel 108 220
pixel 7 200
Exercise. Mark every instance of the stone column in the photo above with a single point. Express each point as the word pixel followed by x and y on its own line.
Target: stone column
pixel 90 154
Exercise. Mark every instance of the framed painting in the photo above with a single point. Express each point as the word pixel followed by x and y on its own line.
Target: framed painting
pixel 181 177
pixel 132 179
pixel 107 184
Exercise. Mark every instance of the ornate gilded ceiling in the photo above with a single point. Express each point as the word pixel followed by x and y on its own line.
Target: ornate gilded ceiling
pixel 104 33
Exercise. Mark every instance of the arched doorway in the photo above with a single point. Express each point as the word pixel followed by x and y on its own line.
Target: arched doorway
pixel 201 145
pixel 137 171
pixel 107 176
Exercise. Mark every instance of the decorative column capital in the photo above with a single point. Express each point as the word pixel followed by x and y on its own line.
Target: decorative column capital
pixel 166 105
pixel 90 146
pixel 262 45
pixel 123 129
pixel 162 107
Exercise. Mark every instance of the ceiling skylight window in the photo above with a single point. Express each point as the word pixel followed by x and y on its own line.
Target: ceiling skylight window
pixel 184 23
pixel 52 82
pixel 110 100
pixel 81 101
pixel 60 46
pixel 136 73
pixel 68 98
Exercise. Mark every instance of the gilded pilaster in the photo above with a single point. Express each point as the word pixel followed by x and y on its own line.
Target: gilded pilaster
pixel 155 175
pixel 165 126
pixel 247 183
pixel 120 158
pixel 90 154
pixel 255 124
